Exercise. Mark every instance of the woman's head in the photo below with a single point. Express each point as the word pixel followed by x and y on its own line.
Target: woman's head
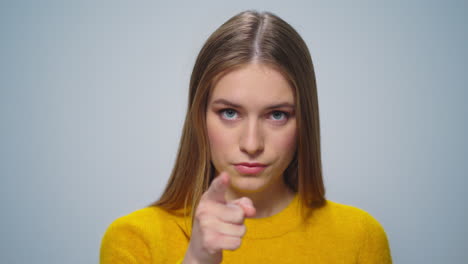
pixel 252 129
pixel 265 40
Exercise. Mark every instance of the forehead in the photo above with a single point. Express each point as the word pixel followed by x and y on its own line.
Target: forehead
pixel 253 83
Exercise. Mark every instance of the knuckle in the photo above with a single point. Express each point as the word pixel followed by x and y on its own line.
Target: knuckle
pixel 200 213
pixel 235 213
pixel 242 230
pixel 237 243
pixel 234 244
pixel 209 242
pixel 238 215
pixel 205 223
pixel 201 206
pixel 203 210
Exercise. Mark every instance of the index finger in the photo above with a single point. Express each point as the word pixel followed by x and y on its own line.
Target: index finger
pixel 218 188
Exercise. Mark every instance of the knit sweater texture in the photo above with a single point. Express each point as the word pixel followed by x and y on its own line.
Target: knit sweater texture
pixel 333 233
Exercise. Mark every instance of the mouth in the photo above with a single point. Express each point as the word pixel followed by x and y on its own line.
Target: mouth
pixel 249 168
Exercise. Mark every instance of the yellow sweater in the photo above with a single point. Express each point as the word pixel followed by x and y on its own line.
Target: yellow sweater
pixel 334 233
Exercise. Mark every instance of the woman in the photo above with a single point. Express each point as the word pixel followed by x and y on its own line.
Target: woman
pixel 247 183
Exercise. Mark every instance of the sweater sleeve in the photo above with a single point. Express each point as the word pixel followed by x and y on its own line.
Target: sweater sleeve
pixel 375 246
pixel 124 244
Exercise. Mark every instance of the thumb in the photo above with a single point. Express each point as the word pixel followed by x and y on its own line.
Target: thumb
pixel 246 205
pixel 218 187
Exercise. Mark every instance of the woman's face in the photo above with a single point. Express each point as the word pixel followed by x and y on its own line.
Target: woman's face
pixel 250 119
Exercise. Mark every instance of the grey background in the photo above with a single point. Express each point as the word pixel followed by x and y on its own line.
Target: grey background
pixel 93 96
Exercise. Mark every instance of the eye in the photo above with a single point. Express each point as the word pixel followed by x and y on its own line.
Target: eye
pixel 228 114
pixel 279 115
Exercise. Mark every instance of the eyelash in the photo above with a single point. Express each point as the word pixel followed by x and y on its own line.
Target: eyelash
pixel 222 111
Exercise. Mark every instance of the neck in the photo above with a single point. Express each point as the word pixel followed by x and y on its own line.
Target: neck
pixel 267 202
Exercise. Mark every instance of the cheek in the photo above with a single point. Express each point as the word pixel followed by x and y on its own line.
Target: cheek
pixel 217 137
pixel 287 142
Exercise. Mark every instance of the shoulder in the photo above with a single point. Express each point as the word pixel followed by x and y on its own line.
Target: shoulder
pixel 365 218
pixel 151 216
pixel 343 212
pixel 347 216
pixel 148 221
pixel 360 226
pixel 137 234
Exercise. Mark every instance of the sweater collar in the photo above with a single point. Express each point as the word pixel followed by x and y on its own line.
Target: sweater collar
pixel 276 225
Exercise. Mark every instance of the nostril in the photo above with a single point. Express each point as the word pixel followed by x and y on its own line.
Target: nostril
pixel 252 150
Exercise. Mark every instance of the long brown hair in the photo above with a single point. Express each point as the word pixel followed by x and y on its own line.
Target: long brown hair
pixel 248 37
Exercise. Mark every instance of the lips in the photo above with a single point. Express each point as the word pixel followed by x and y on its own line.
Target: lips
pixel 250 168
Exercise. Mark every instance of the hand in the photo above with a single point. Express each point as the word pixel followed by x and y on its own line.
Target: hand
pixel 218 225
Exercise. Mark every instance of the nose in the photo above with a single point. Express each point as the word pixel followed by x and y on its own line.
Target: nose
pixel 251 140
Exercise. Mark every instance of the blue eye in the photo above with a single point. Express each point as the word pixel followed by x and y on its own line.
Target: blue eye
pixel 278 115
pixel 228 114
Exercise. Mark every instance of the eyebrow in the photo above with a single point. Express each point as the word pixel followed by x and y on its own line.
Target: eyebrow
pixel 226 102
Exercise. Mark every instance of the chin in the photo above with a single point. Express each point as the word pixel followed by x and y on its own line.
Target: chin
pixel 247 184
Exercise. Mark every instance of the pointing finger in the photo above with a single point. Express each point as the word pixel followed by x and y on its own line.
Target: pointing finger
pixel 218 187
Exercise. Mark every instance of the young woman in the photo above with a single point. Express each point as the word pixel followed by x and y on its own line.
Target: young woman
pixel 247 183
